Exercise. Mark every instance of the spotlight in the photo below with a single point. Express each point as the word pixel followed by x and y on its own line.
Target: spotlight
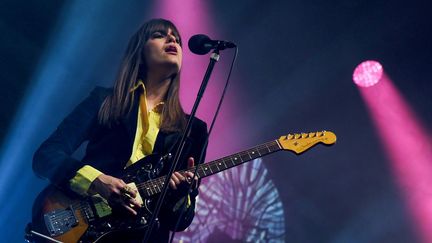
pixel 367 73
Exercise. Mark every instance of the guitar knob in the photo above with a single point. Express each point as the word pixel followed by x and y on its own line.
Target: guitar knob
pixel 107 225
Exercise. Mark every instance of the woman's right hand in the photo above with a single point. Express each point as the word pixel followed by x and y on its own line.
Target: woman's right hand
pixel 116 192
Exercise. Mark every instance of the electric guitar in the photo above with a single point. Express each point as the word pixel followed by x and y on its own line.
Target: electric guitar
pixel 68 217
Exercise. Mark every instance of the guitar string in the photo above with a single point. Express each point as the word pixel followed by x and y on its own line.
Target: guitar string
pixel 272 146
pixel 269 145
pixel 214 163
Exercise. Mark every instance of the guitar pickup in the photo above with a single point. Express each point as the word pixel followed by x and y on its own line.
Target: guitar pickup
pixel 60 221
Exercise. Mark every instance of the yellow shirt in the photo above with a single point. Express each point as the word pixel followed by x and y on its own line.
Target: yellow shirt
pixel 148 123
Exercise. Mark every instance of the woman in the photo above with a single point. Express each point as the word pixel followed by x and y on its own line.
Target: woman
pixel 139 116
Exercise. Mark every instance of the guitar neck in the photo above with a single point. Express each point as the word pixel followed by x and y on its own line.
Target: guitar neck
pixel 230 161
pixel 155 186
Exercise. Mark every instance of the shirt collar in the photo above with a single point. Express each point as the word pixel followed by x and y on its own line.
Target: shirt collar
pixel 140 84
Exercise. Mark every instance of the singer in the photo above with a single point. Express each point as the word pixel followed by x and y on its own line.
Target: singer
pixel 141 115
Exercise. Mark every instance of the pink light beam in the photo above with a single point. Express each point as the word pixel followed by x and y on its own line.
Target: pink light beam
pixel 193 17
pixel 409 148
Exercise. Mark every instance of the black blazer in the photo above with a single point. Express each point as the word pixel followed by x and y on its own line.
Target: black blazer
pixel 108 149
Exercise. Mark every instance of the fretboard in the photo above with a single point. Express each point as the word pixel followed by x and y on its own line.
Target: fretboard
pixel 152 187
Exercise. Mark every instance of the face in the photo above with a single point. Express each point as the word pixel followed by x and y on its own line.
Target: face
pixel 163 52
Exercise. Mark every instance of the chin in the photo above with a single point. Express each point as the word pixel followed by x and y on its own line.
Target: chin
pixel 172 64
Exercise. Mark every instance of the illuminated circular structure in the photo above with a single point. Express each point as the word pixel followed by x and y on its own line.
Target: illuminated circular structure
pixel 367 73
pixel 238 205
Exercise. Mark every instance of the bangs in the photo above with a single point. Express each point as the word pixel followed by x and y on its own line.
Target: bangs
pixel 161 25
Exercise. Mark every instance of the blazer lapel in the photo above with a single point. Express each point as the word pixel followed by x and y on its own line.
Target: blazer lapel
pixel 165 142
pixel 130 121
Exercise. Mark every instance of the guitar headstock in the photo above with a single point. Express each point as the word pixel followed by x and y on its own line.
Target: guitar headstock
pixel 300 142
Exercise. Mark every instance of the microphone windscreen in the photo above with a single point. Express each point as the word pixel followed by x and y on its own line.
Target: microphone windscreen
pixel 199 44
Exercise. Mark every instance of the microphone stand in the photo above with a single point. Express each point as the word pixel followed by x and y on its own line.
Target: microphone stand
pixel 214 57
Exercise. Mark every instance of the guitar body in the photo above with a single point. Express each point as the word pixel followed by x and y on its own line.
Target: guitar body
pixel 52 199
pixel 69 217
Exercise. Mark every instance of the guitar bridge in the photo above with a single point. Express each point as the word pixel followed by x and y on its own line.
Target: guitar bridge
pixel 60 221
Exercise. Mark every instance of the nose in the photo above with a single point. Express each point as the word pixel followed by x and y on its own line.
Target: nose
pixel 171 38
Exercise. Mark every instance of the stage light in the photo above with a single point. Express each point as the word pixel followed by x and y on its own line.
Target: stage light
pixel 409 149
pixel 367 73
pixel 236 224
pixel 64 71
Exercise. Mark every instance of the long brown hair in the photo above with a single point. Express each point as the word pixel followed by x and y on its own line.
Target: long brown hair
pixel 120 102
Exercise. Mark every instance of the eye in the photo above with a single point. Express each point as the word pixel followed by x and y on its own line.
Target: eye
pixel 157 35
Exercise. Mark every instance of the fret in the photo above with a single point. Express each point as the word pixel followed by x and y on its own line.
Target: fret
pixel 200 172
pixel 253 155
pixel 232 161
pixel 278 144
pixel 235 160
pixel 257 149
pixel 213 167
pixel 244 157
pixel 149 191
pixel 152 189
pixel 204 170
pixel 249 154
pixel 217 165
pixel 223 160
pixel 274 147
pixel 155 186
pixel 210 169
pixel 263 151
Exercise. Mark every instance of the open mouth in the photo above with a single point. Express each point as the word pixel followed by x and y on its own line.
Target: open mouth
pixel 171 50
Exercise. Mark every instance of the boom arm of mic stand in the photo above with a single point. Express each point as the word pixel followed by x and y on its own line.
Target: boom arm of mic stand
pixel 213 59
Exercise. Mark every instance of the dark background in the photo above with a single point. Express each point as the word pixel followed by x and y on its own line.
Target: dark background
pixel 294 72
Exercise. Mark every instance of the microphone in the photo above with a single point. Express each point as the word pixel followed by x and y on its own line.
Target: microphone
pixel 201 44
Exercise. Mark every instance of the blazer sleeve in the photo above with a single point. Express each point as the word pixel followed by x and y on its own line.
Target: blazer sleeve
pixel 53 159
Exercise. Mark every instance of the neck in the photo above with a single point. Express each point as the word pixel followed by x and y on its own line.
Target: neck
pixel 156 88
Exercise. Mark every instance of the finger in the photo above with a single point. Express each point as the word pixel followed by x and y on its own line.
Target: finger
pixel 180 176
pixel 134 203
pixel 172 184
pixel 190 175
pixel 133 193
pixel 175 178
pixel 116 192
pixel 129 191
pixel 194 182
pixel 191 162
pixel 129 209
pixel 120 183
